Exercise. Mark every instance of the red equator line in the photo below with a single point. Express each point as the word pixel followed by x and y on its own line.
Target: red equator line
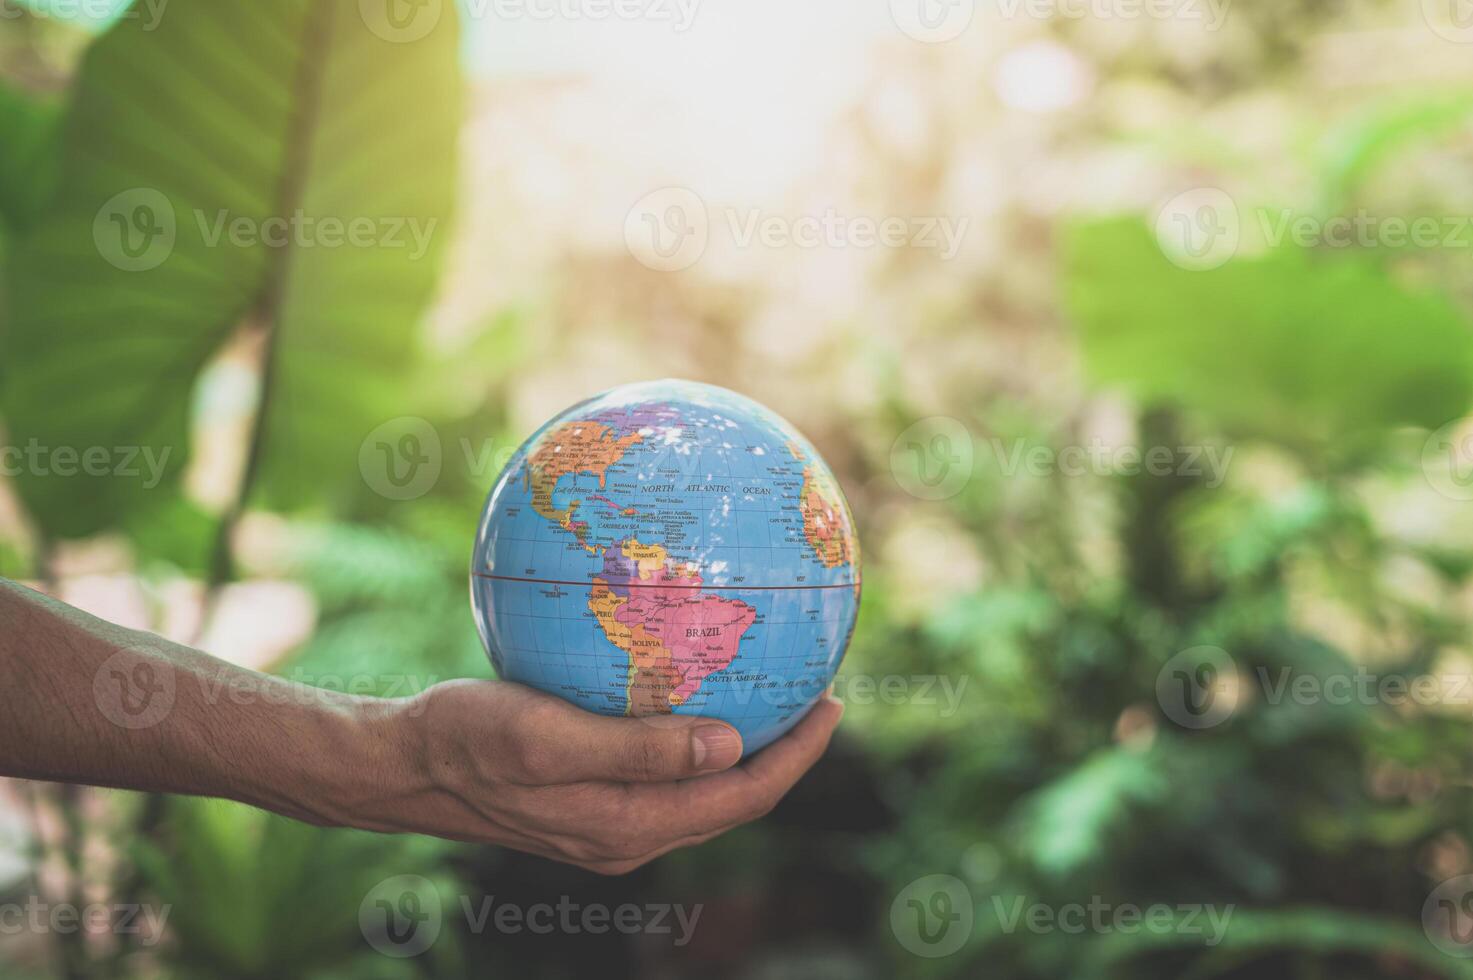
pixel 653 585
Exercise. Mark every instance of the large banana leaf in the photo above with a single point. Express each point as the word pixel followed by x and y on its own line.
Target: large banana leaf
pixel 1294 345
pixel 27 154
pixel 280 168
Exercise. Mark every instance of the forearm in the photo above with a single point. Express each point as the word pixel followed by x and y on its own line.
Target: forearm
pixel 88 702
pixel 84 701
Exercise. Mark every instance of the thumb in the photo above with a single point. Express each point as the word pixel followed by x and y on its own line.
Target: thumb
pixel 577 746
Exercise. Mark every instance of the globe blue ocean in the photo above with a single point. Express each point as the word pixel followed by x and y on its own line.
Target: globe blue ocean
pixel 669 548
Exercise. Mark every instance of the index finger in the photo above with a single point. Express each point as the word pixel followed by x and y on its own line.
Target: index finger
pixel 745 792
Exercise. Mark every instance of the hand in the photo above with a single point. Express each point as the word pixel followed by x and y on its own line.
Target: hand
pixel 470 760
pixel 499 763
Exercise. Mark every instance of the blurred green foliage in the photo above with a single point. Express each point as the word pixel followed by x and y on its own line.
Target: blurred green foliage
pixel 226 117
pixel 255 895
pixel 1056 777
pixel 1300 347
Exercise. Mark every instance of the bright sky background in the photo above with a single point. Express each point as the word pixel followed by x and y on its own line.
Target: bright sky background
pixel 753 40
pixel 771 71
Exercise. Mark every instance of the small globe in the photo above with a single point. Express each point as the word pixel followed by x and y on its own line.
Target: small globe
pixel 669 548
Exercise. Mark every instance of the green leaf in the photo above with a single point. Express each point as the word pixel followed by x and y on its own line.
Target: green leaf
pixel 253 894
pixel 88 16
pixel 174 531
pixel 1354 150
pixel 1070 822
pixel 1291 345
pixel 350 565
pixel 27 155
pixel 1249 933
pixel 257 170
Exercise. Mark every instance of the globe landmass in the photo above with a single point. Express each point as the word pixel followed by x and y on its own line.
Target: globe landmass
pixel 669 548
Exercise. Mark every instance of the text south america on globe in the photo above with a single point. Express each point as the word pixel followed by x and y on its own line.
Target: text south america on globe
pixel 669 547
